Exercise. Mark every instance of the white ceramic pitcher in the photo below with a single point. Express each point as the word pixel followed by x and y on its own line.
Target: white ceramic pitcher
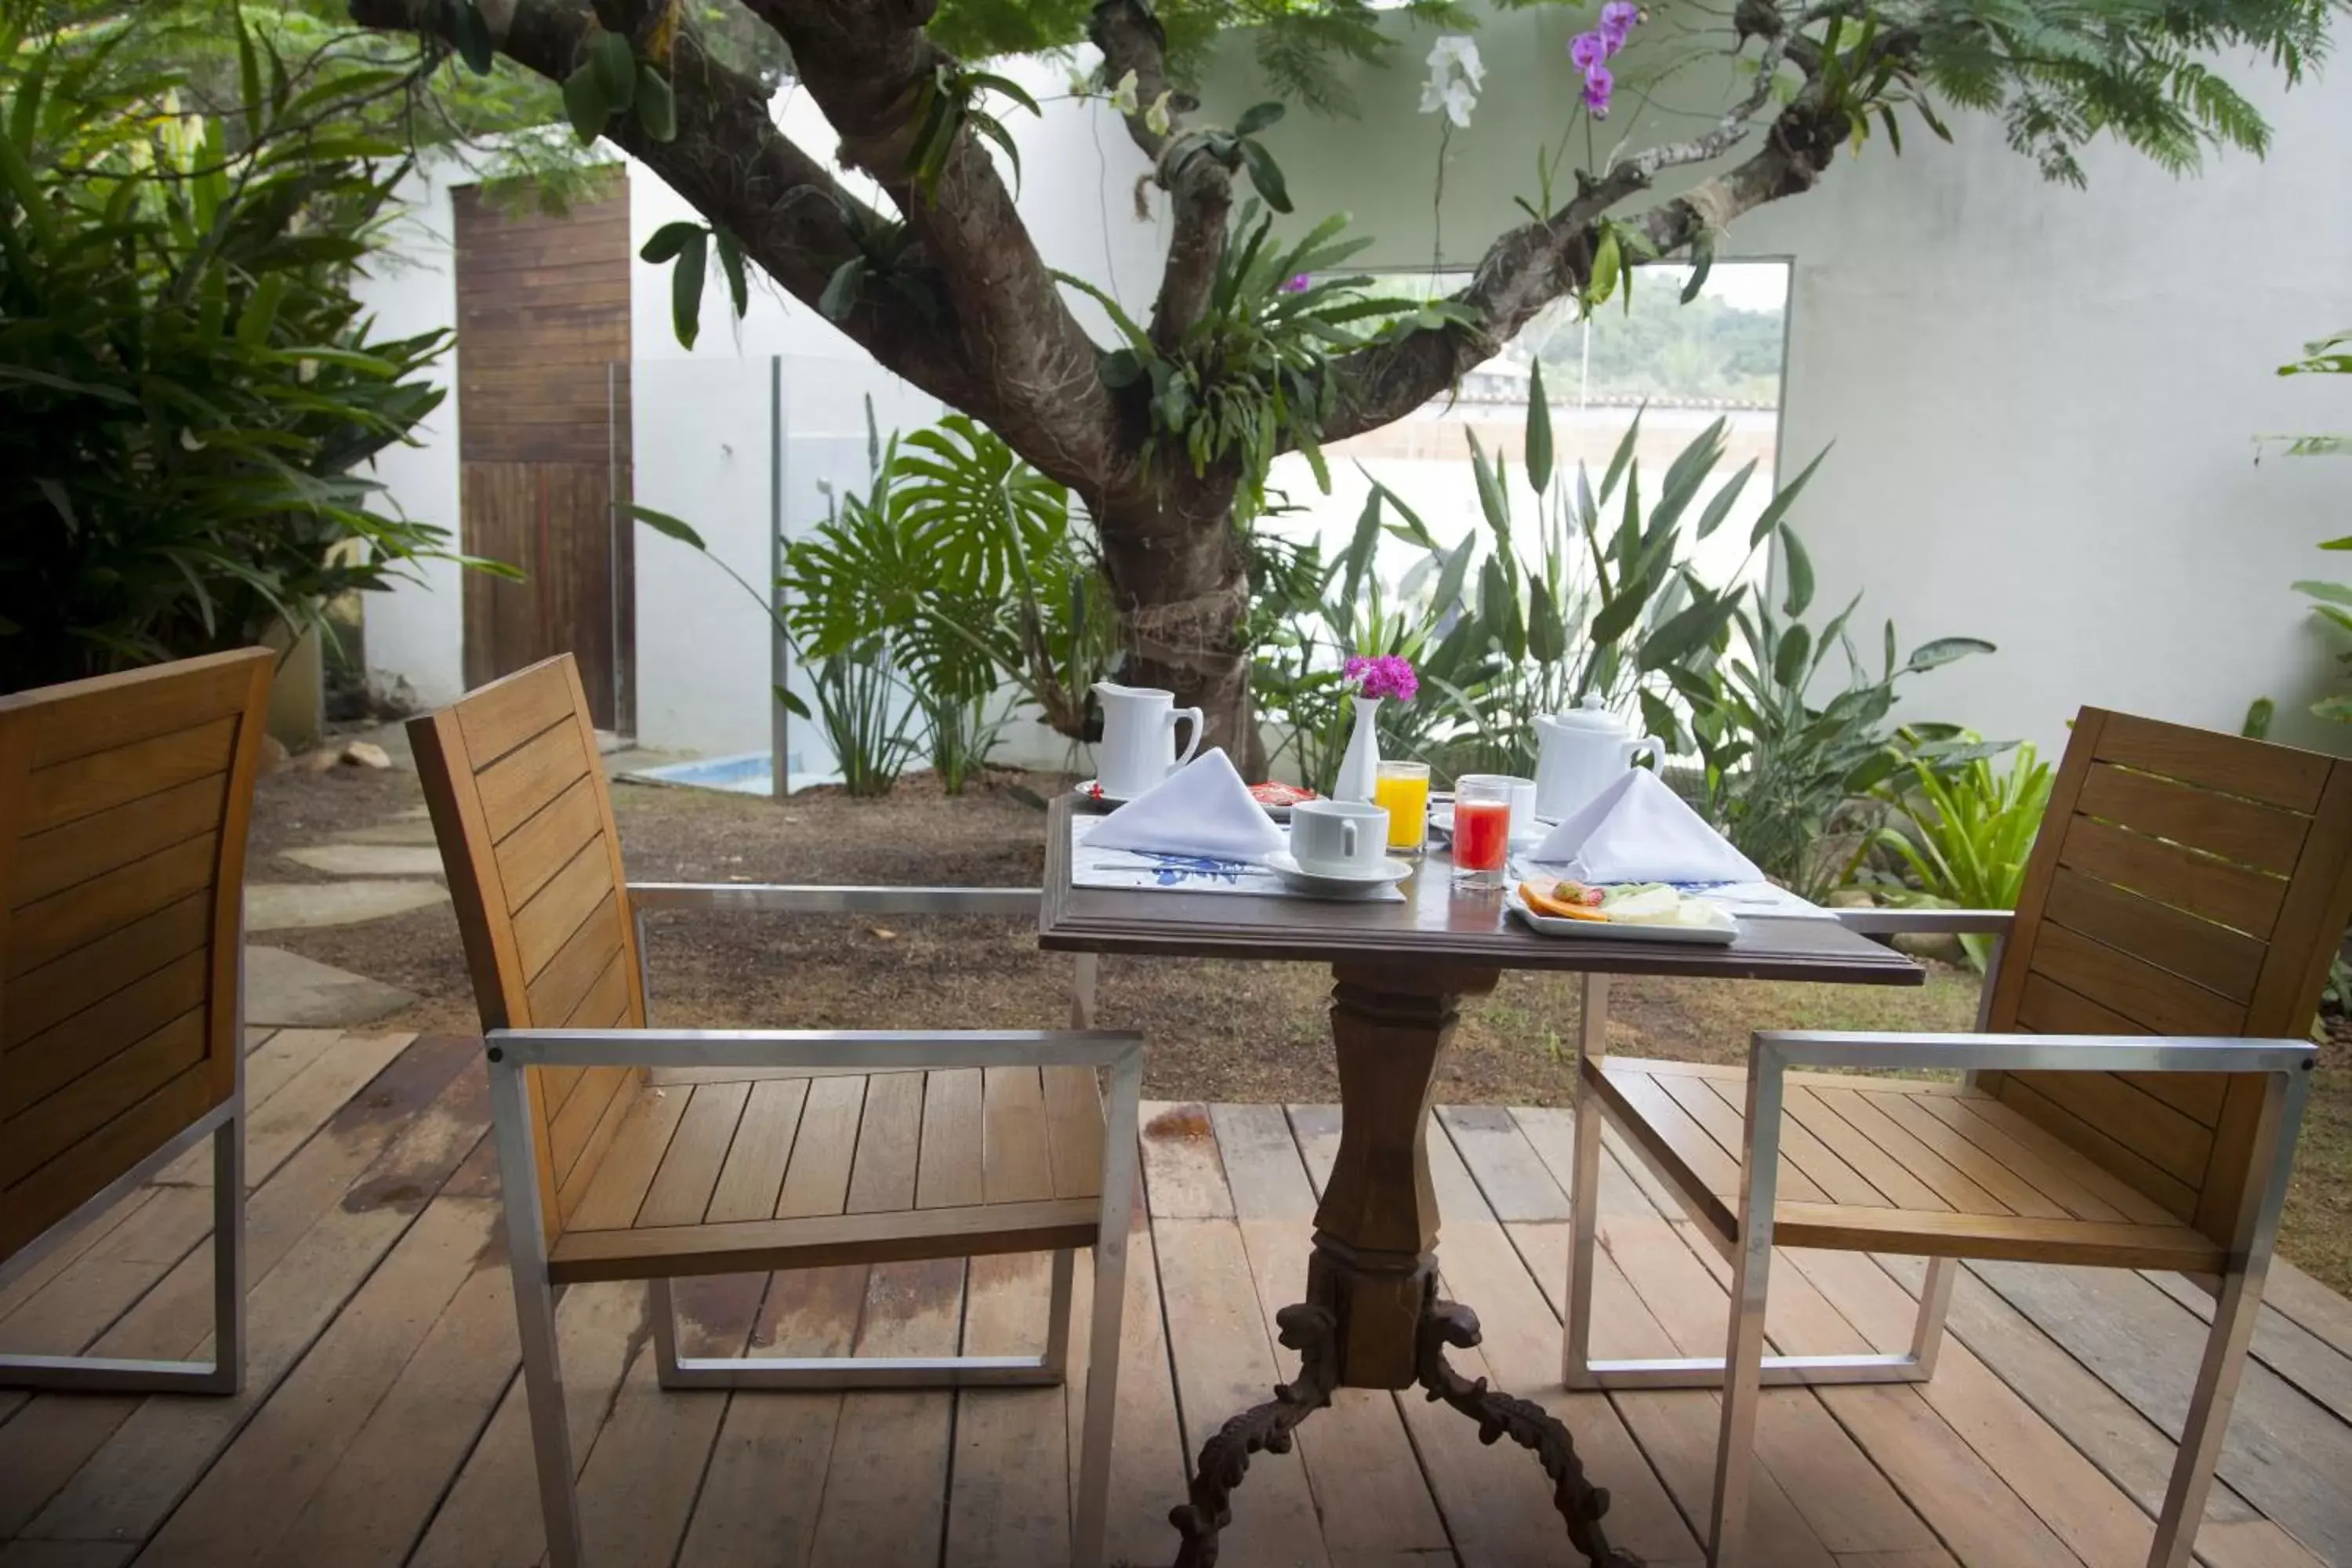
pixel 1138 748
pixel 1581 752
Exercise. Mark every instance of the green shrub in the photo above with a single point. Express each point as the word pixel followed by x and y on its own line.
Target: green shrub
pixel 189 393
pixel 1964 834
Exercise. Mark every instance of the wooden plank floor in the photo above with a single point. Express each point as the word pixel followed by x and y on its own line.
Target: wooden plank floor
pixel 383 1423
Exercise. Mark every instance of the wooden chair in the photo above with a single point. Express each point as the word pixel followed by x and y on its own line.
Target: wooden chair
pixel 124 803
pixel 628 1153
pixel 2131 1102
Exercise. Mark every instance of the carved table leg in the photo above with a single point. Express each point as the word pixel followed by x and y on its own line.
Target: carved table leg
pixel 1225 1458
pixel 1525 1423
pixel 1371 1318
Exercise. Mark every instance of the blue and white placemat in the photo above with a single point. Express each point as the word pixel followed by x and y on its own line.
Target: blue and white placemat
pixel 1138 870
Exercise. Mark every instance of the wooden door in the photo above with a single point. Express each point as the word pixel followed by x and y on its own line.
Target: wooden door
pixel 543 417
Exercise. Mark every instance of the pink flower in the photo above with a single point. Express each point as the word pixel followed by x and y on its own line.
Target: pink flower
pixel 1385 676
pixel 1617 19
pixel 1598 85
pixel 1587 50
pixel 1297 284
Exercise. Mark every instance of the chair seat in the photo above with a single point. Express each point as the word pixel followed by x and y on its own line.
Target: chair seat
pixel 725 1170
pixel 1895 1165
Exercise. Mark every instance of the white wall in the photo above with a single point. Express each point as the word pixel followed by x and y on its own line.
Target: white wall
pixel 2043 402
pixel 415 632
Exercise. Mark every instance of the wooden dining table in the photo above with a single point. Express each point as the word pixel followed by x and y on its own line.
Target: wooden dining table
pixel 1372 1318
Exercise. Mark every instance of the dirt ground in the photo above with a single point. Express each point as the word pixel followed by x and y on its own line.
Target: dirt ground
pixel 1217 1029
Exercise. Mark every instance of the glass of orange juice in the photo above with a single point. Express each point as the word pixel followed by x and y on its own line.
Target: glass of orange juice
pixel 1404 789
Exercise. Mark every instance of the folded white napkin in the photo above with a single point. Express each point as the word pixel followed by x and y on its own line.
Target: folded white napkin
pixel 1203 808
pixel 1639 830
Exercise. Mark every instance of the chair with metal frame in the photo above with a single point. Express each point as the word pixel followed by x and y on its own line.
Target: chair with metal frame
pixel 124 805
pixel 2131 1096
pixel 632 1152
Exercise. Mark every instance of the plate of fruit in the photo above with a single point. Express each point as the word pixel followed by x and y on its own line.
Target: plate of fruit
pixel 1627 911
pixel 1278 797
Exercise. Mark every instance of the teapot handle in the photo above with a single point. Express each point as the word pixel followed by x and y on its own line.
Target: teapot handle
pixel 1652 744
pixel 1194 714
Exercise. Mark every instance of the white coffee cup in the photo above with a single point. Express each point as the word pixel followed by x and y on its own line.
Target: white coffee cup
pixel 1339 837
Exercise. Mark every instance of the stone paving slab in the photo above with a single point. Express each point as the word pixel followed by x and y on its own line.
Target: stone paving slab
pixel 290 906
pixel 373 859
pixel 399 831
pixel 287 991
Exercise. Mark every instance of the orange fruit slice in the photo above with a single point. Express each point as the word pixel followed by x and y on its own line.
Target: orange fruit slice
pixel 1539 898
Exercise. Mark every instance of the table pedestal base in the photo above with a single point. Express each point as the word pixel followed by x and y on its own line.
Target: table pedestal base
pixel 1373 1318
pixel 1312 1332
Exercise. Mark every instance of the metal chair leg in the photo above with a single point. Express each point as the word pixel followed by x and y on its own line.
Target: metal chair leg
pixel 1743 1352
pixel 2235 1310
pixel 1058 1310
pixel 680 1372
pixel 1090 1518
pixel 225 1373
pixel 1576 1358
pixel 534 1300
pixel 1935 1305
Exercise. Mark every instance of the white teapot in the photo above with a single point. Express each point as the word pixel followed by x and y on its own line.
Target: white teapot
pixel 1581 752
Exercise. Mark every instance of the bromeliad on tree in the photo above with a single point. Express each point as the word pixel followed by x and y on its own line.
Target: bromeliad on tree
pixel 949 290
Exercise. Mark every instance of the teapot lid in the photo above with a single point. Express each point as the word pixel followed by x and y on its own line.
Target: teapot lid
pixel 1591 716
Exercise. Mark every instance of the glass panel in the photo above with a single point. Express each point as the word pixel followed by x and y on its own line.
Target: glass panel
pixel 1718 356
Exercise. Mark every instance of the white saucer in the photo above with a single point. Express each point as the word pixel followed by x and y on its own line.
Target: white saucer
pixel 1387 875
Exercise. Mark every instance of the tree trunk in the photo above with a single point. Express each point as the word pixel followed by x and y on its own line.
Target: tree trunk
pixel 1182 594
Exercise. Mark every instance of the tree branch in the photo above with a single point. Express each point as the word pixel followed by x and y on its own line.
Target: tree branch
pixel 735 167
pixel 1200 188
pixel 1035 369
pixel 1537 263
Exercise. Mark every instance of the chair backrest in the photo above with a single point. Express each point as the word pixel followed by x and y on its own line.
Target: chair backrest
pixel 124 802
pixel 519 802
pixel 2184 883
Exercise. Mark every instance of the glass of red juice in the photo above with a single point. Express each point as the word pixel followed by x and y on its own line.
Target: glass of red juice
pixel 1482 828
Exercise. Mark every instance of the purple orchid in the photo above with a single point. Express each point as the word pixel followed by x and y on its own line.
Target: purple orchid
pixel 1383 676
pixel 1587 50
pixel 1617 20
pixel 1598 85
pixel 1299 283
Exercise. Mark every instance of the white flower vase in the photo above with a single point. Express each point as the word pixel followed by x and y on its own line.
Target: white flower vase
pixel 1360 769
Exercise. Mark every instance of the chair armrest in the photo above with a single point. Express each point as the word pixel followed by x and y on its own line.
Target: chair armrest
pixel 756 898
pixel 1927 922
pixel 2027 1053
pixel 871 1050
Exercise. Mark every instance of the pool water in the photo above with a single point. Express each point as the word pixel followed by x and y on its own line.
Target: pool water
pixel 748 773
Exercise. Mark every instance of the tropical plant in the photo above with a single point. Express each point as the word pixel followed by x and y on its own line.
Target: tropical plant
pixel 956 571
pixel 1249 377
pixel 1309 616
pixel 1005 546
pixel 1591 606
pixel 1963 835
pixel 1778 774
pixel 189 393
pixel 868 718
pixel 2330 355
pixel 2331 601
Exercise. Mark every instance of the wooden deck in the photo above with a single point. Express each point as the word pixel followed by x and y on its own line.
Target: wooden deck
pixel 383 1420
